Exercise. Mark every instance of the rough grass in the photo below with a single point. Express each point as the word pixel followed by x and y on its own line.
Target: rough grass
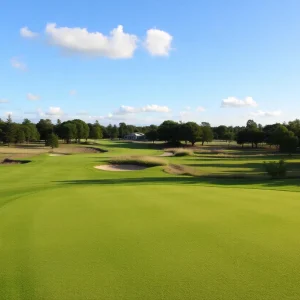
pixel 181 152
pixel 148 161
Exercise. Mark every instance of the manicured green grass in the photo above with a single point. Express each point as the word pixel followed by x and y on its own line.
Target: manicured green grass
pixel 69 231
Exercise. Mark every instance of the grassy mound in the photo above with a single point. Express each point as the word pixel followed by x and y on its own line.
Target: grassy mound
pixel 147 161
pixel 183 152
pixel 181 170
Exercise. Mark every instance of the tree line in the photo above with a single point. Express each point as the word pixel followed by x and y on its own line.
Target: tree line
pixel 284 137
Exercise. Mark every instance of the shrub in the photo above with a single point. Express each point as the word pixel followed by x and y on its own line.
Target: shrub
pixel 276 169
pixel 147 161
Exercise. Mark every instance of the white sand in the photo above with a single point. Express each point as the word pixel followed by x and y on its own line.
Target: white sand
pixel 167 154
pixel 56 154
pixel 120 168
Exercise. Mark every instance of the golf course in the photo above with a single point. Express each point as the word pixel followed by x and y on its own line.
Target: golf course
pixel 71 231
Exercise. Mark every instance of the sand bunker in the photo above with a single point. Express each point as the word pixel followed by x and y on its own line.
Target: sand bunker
pixel 120 168
pixel 56 154
pixel 167 154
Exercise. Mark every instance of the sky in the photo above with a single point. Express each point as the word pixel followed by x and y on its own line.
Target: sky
pixel 143 62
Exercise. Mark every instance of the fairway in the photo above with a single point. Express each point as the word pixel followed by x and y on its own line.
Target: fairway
pixel 70 231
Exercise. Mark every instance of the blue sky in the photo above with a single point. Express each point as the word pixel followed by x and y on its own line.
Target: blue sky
pixel 146 61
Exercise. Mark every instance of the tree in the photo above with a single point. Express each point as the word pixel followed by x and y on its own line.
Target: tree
pixel 242 137
pixel 152 134
pixel 221 132
pixel 20 135
pixel 96 132
pixel 44 127
pixel 114 132
pixel 52 141
pixel 289 144
pixel 10 131
pixel 251 125
pixel 169 131
pixel 82 131
pixel 123 130
pixel 67 131
pixel 191 132
pixel 207 134
pixel 109 130
pixel 294 126
pixel 229 136
pixel 277 135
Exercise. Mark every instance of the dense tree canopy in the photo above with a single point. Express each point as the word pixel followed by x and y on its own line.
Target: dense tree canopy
pixel 284 137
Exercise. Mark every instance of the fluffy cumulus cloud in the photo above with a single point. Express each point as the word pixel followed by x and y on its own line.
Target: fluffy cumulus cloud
pixel 54 111
pixel 158 42
pixel 155 108
pixel 261 113
pixel 17 64
pixel 124 110
pixel 117 44
pixel 32 97
pixel 235 102
pixel 3 101
pixel 27 33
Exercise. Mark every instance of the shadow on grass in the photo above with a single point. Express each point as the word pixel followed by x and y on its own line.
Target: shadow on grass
pixel 186 180
pixel 134 145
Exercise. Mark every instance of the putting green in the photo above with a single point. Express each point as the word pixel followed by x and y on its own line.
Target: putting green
pixel 68 231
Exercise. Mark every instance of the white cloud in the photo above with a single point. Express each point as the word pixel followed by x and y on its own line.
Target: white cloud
pixel 17 64
pixel 188 108
pixel 200 109
pixel 73 92
pixel 27 33
pixel 54 111
pixel 3 101
pixel 32 97
pixel 235 102
pixel 124 110
pixel 8 113
pixel 261 113
pixel 158 42
pixel 79 40
pixel 155 108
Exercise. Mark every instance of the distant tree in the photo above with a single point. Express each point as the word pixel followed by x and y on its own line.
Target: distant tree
pixel 242 137
pixel 289 144
pixel 10 130
pixel 82 131
pixel 152 134
pixel 109 130
pixel 26 122
pixel 207 134
pixel 52 141
pixel 67 131
pixel 20 134
pixel 169 131
pixel 96 132
pixel 123 130
pixel 44 127
pixel 58 122
pixel 251 125
pixel 229 136
pixel 114 132
pixel 205 124
pixel 294 126
pixel 277 136
pixel 221 132
pixel 192 132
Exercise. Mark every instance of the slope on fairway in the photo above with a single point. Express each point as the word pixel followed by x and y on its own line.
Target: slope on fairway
pixel 93 241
